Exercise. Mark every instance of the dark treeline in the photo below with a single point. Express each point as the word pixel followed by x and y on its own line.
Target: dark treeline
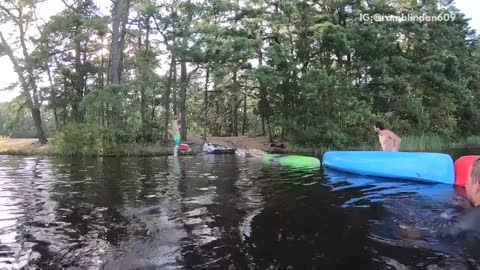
pixel 303 71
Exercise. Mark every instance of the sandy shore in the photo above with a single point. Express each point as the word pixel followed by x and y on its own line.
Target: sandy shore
pixel 23 146
pixel 240 142
pixel 33 146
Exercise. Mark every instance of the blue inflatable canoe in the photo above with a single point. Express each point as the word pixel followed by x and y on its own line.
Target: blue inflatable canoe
pixel 431 167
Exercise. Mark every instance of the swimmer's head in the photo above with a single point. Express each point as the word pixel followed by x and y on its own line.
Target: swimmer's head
pixel 473 185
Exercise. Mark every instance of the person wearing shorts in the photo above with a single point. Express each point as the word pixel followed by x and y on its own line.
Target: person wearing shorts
pixel 176 134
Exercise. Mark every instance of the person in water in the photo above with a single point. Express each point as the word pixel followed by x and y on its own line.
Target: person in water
pixel 470 221
pixel 466 225
pixel 389 141
pixel 464 232
pixel 472 188
pixel 176 134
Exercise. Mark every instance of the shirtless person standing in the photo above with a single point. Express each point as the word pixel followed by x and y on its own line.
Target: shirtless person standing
pixel 176 134
pixel 389 141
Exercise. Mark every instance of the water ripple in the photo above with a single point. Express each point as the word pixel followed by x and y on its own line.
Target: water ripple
pixel 213 212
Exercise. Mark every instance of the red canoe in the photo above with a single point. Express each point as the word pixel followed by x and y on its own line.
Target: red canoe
pixel 462 169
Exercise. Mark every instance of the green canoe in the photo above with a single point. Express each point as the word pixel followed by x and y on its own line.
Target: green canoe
pixel 294 161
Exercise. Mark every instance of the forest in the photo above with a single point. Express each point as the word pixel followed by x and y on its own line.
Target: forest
pixel 306 72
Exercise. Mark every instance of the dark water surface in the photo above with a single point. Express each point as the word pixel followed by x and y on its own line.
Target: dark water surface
pixel 219 212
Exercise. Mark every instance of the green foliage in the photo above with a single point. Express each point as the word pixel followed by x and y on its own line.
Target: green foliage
pixel 94 140
pixel 309 72
pixel 90 139
pixel 424 143
pixel 333 137
pixel 82 139
pixel 16 120
pixel 472 140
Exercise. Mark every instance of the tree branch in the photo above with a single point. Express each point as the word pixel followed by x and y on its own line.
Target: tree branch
pixel 17 69
pixel 191 73
pixel 15 19
pixel 67 5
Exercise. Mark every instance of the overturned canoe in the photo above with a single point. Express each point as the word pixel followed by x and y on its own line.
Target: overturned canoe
pixel 295 161
pixel 431 167
pixel 462 166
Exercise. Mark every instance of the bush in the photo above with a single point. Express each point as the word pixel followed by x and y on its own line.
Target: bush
pixel 79 139
pixel 89 139
pixel 320 137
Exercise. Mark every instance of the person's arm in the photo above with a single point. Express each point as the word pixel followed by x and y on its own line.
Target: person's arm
pixel 395 139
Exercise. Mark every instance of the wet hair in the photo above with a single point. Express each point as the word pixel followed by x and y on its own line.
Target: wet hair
pixel 379 125
pixel 475 171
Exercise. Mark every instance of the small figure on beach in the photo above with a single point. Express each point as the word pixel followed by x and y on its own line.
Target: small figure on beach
pixel 176 134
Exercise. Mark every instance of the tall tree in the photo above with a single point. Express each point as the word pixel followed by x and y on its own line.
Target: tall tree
pixel 120 13
pixel 20 14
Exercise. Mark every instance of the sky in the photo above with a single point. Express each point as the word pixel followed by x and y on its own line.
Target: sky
pixel 7 75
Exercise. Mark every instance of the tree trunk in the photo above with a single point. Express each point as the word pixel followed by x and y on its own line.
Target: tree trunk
pixel 117 19
pixel 123 32
pixel 26 85
pixel 102 84
pixel 143 102
pixel 263 125
pixel 286 114
pixel 205 125
pixel 64 115
pixel 53 94
pixel 37 119
pixel 167 98
pixel 217 126
pixel 78 79
pixel 235 119
pixel 152 115
pixel 263 105
pixel 102 68
pixel 183 98
pixel 235 83
pixel 120 15
pixel 103 114
pixel 235 106
pixel 244 122
pixel 174 90
pixel 230 131
pixel 270 135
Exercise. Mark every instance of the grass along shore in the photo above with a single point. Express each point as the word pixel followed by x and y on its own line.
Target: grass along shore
pixel 32 147
pixel 423 143
pixel 13 146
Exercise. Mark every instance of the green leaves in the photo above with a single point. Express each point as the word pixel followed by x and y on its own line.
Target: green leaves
pixel 148 8
pixel 312 71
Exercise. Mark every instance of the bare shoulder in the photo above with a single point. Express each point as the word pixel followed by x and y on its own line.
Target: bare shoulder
pixel 386 132
pixel 390 133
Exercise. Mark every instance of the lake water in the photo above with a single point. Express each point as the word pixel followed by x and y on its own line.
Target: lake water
pixel 219 212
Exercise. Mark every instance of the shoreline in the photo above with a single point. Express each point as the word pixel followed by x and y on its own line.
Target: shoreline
pixel 32 147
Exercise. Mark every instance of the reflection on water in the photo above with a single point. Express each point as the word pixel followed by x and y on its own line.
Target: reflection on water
pixel 217 212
